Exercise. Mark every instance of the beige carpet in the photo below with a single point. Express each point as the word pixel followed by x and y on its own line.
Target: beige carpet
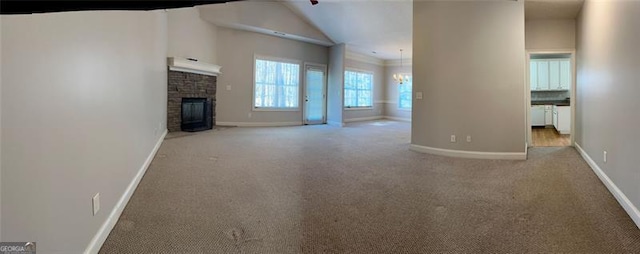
pixel 358 189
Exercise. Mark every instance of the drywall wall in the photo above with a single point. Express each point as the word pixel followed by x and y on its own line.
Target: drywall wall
pixel 83 105
pixel 190 36
pixel 607 116
pixel 391 99
pixel 468 61
pixel 0 129
pixel 554 34
pixel 378 91
pixel 335 84
pixel 236 50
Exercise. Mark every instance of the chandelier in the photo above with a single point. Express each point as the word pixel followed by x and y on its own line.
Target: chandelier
pixel 399 78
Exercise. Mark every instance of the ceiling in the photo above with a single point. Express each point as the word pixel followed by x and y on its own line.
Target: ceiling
pixel 377 28
pixel 380 26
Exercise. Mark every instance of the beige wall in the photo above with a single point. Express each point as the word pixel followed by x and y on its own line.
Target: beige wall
pixel 335 84
pixel 607 116
pixel 83 105
pixel 236 50
pixel 468 60
pixel 190 36
pixel 391 93
pixel 557 34
pixel 378 90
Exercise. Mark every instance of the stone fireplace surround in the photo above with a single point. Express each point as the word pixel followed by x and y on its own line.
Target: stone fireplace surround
pixel 188 85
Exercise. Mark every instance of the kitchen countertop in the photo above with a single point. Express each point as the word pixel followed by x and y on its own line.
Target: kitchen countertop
pixel 553 102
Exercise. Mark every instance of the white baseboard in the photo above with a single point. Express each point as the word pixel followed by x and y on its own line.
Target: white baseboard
pixel 259 124
pixel 401 119
pixel 360 119
pixel 469 154
pixel 339 124
pixel 631 209
pixel 107 226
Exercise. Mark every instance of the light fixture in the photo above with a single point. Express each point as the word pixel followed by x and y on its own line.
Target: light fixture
pixel 397 76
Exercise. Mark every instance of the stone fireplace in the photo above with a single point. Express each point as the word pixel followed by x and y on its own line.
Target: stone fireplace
pixel 192 96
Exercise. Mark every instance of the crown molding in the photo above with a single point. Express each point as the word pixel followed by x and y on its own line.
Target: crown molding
pixel 396 62
pixel 363 58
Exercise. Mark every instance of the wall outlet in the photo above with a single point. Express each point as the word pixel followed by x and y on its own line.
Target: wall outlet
pixel 469 138
pixel 249 115
pixel 453 138
pixel 96 203
pixel 228 88
pixel 604 156
pixel 418 95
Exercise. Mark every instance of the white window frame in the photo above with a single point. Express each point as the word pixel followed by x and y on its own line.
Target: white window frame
pixel 276 59
pixel 373 82
pixel 411 95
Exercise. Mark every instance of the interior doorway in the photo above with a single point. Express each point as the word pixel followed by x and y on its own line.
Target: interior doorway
pixel 551 93
pixel 315 95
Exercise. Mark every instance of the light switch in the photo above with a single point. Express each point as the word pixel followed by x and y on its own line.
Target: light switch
pixel 418 95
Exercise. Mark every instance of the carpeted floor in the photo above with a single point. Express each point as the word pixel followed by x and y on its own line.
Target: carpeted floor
pixel 358 189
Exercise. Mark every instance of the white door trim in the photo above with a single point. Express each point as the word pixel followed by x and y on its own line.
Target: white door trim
pixel 322 67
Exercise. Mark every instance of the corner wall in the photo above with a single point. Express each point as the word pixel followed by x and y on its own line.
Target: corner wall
pixel 335 84
pixel 83 107
pixel 236 51
pixel 468 60
pixel 190 36
pixel 607 116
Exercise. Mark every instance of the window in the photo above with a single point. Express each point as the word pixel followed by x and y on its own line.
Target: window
pixel 404 93
pixel 276 84
pixel 358 89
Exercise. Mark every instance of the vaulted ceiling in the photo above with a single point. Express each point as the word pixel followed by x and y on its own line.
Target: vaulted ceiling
pixel 378 28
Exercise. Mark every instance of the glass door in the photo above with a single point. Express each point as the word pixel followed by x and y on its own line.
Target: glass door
pixel 315 94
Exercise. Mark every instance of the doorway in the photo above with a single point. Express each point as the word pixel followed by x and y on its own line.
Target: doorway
pixel 315 95
pixel 551 93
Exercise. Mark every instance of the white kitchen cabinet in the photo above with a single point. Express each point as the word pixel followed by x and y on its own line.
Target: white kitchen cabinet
pixel 562 119
pixel 537 115
pixel 554 74
pixel 549 74
pixel 548 114
pixel 533 75
pixel 565 74
pixel 543 75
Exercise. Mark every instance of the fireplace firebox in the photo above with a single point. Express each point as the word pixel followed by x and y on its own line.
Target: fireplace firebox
pixel 196 114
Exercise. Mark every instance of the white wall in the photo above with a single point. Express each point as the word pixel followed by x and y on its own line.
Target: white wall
pixel 558 34
pixel 335 84
pixel 83 105
pixel 468 60
pixel 607 116
pixel 236 50
pixel 378 91
pixel 391 92
pixel 0 129
pixel 190 36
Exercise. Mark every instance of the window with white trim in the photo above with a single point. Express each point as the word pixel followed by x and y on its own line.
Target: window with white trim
pixel 405 93
pixel 277 84
pixel 358 89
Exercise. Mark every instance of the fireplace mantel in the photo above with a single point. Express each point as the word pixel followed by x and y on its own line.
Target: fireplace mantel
pixel 192 66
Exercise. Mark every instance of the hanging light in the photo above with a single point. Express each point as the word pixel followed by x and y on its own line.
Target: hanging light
pixel 397 76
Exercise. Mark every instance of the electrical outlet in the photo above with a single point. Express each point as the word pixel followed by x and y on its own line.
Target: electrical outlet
pixel 453 138
pixel 418 95
pixel 469 138
pixel 96 203
pixel 249 115
pixel 228 88
pixel 604 156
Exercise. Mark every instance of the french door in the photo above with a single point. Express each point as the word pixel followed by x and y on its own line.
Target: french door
pixel 315 95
